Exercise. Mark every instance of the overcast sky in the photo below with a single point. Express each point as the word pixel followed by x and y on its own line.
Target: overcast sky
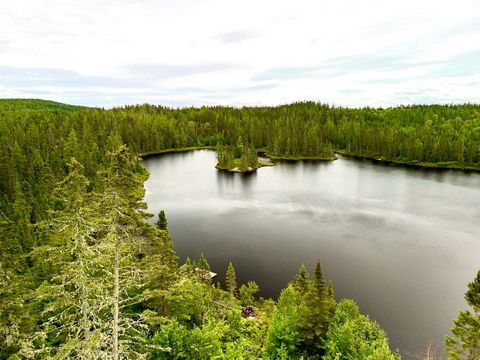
pixel 180 52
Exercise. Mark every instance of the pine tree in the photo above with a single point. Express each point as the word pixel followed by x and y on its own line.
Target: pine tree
pixel 231 280
pixel 203 263
pixel 465 343
pixel 330 300
pixel 247 293
pixel 318 282
pixel 125 230
pixel 315 320
pixel 302 280
pixel 162 220
pixel 75 301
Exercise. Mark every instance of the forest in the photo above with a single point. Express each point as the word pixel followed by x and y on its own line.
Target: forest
pixel 85 275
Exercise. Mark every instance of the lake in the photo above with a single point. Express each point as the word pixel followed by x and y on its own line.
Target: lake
pixel 402 242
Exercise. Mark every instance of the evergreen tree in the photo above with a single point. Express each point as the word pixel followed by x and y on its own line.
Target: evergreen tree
pixel 330 300
pixel 355 336
pixel 75 303
pixel 247 293
pixel 162 220
pixel 203 263
pixel 315 319
pixel 125 232
pixel 284 334
pixel 465 342
pixel 302 280
pixel 231 280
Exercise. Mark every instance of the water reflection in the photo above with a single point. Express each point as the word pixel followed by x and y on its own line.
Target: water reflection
pixel 403 242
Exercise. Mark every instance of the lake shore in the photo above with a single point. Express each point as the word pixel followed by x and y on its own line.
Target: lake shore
pixel 250 169
pixel 413 164
pixel 173 150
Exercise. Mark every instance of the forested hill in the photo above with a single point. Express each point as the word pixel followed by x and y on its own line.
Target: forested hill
pixel 83 275
pixel 36 104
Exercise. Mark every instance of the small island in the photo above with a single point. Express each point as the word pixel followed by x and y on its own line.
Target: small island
pixel 241 158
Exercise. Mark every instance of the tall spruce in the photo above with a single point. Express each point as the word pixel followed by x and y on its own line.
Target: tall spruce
pixel 231 280
pixel 302 280
pixel 315 319
pixel 162 221
pixel 74 318
pixel 125 231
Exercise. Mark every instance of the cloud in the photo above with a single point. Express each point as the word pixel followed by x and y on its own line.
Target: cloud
pixel 461 65
pixel 185 52
pixel 236 36
pixel 166 71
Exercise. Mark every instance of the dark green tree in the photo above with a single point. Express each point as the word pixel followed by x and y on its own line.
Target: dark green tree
pixel 162 221
pixel 316 317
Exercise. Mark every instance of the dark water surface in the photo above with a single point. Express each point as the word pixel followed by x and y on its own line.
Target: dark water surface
pixel 402 242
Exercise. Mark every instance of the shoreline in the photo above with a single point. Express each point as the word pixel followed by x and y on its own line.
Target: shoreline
pixel 410 164
pixel 249 170
pixel 174 150
pixel 301 158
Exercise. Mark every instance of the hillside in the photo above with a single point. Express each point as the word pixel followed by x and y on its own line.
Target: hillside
pixel 36 104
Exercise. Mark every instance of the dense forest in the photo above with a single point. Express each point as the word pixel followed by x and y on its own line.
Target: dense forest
pixel 84 275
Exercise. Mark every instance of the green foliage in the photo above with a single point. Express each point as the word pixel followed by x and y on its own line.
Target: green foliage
pixel 284 338
pixel 465 342
pixel 203 263
pixel 36 104
pixel 240 156
pixel 247 293
pixel 231 280
pixel 203 343
pixel 162 220
pixel 75 240
pixel 354 336
pixel 315 317
pixel 302 280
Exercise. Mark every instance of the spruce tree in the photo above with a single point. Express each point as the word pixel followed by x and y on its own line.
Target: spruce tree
pixel 162 220
pixel 302 280
pixel 126 231
pixel 315 320
pixel 203 263
pixel 74 303
pixel 465 342
pixel 247 293
pixel 231 280
pixel 330 300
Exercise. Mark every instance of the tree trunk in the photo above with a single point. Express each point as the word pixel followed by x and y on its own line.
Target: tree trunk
pixel 115 300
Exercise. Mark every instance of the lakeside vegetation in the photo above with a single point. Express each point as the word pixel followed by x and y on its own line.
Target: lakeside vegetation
pixel 239 158
pixel 84 275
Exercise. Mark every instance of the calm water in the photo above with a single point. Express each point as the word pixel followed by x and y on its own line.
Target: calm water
pixel 402 242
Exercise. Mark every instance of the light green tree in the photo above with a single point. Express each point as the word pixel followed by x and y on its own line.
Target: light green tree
pixel 247 293
pixel 465 342
pixel 231 280
pixel 354 336
pixel 74 314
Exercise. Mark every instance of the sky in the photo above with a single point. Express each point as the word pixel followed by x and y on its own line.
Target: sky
pixel 219 52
